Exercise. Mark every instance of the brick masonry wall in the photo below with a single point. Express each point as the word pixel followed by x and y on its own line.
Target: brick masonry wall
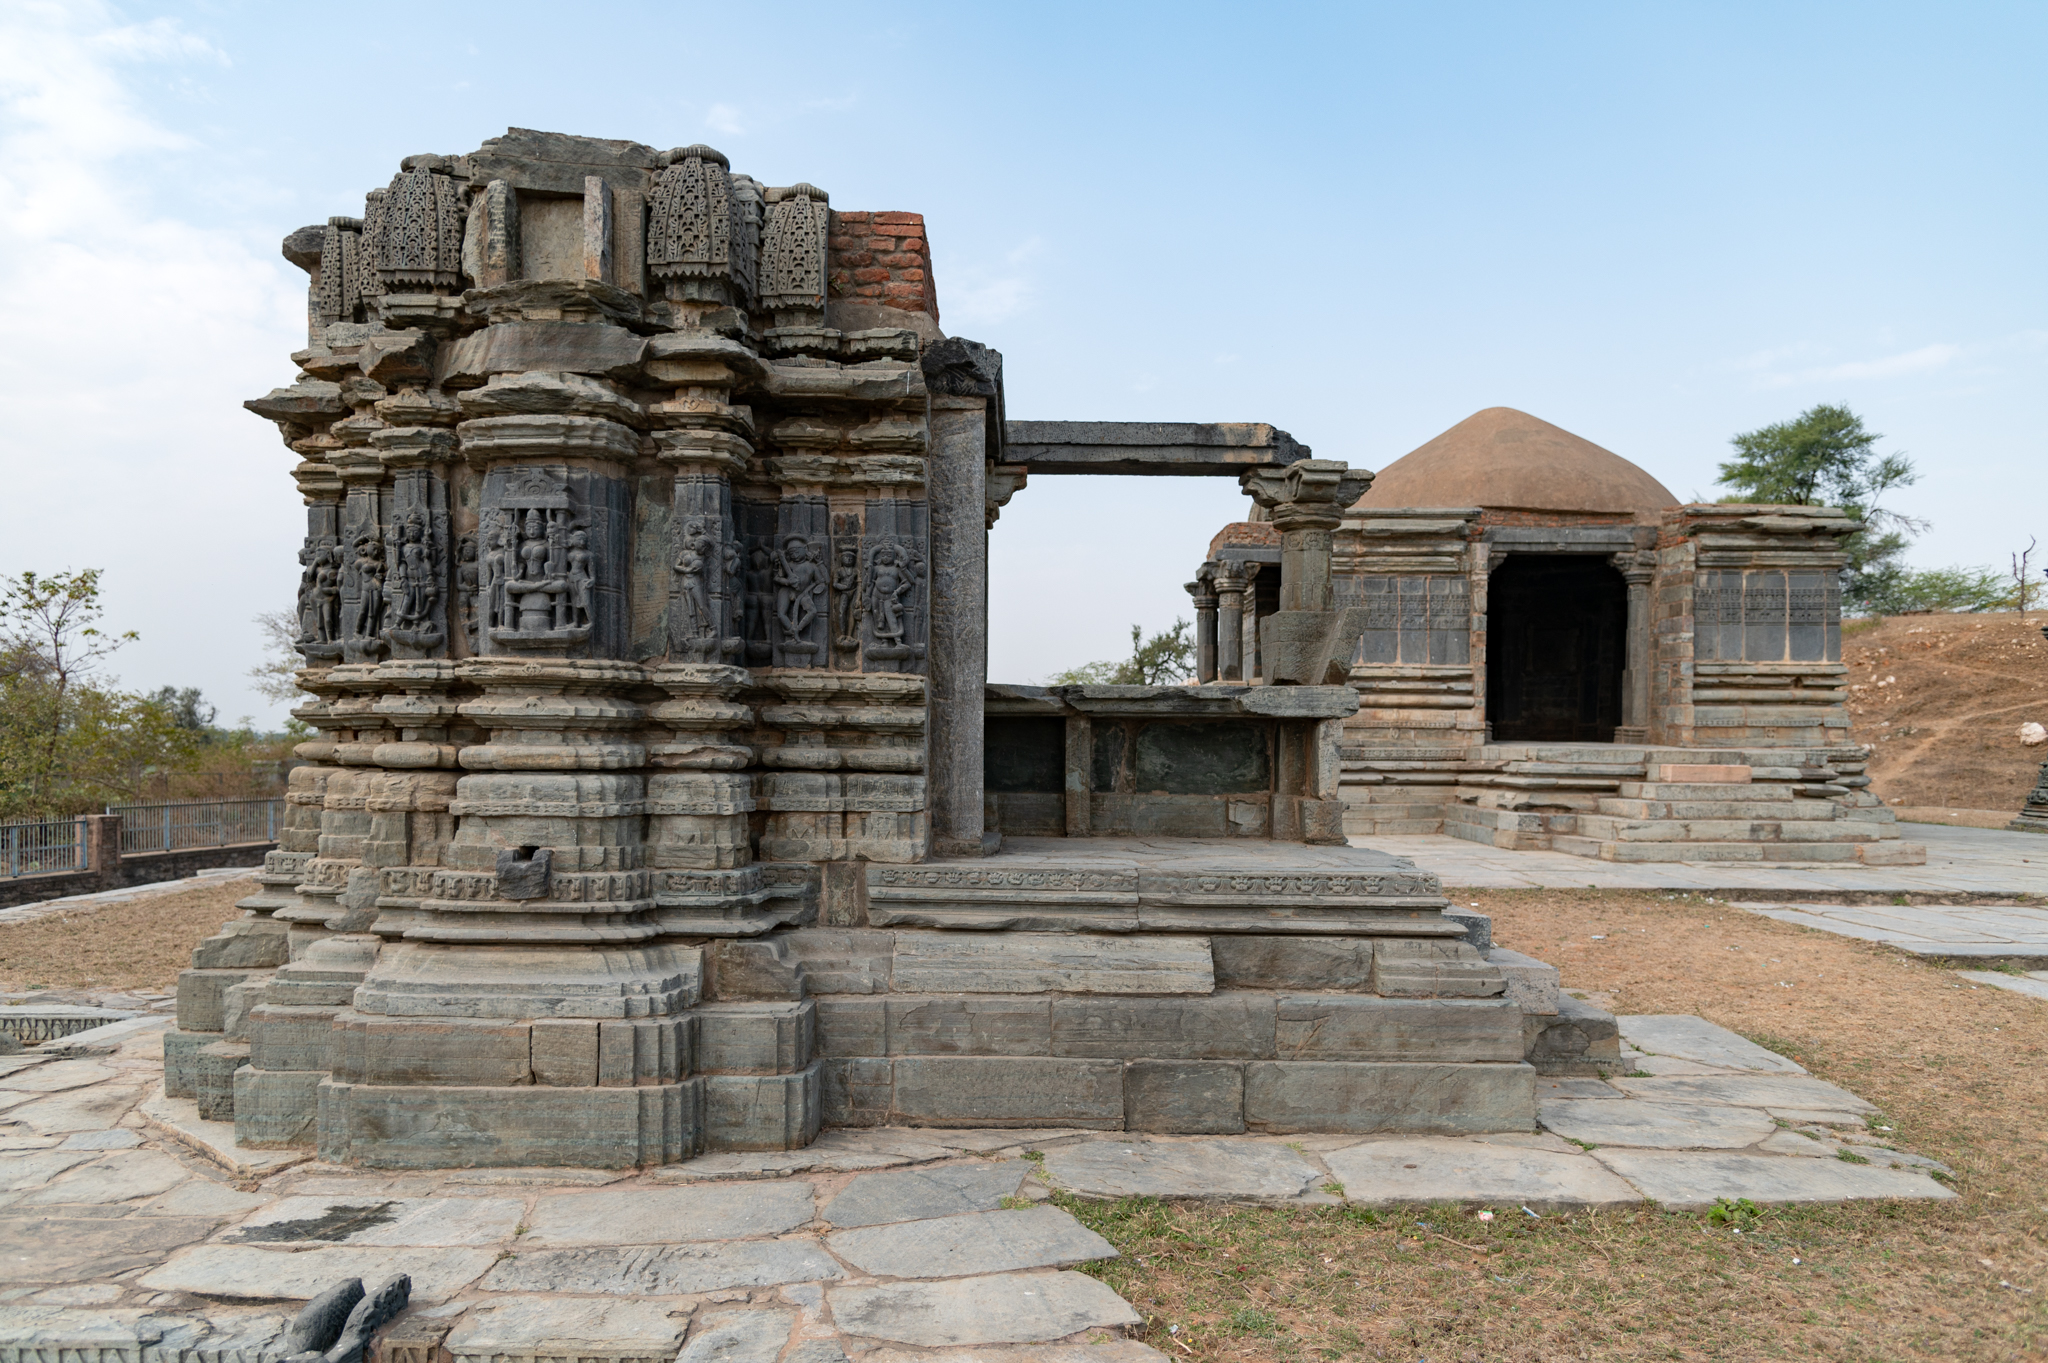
pixel 137 868
pixel 881 258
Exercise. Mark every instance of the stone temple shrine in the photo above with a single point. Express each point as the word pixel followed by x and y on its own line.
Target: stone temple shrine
pixel 660 802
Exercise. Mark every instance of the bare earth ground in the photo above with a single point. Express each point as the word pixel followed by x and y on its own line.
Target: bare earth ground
pixel 1940 699
pixel 1958 1072
pixel 142 945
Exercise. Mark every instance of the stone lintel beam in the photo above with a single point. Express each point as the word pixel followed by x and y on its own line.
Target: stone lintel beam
pixel 1166 448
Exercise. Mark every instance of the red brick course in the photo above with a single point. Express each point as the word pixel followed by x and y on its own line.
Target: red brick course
pixel 881 258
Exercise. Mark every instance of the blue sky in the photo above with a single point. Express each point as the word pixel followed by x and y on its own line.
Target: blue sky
pixel 1655 225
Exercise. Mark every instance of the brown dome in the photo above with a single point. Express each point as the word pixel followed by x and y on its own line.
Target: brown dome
pixel 1503 459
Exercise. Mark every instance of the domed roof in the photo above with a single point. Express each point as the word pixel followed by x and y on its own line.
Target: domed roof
pixel 1503 459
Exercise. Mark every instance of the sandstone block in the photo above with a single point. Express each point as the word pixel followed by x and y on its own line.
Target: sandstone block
pixel 431 1127
pixel 1230 1026
pixel 978 1242
pixel 1368 1096
pixel 1148 1168
pixel 857 1092
pixel 853 1026
pixel 998 1309
pixel 181 1050
pixel 1578 1039
pixel 1697 773
pixel 563 1052
pixel 1039 962
pixel 589 1329
pixel 919 1194
pixel 1531 983
pixel 289 1038
pixel 244 944
pixel 755 968
pixel 646 1051
pixel 755 1038
pixel 276 1109
pixel 1409 967
pixel 763 1112
pixel 202 998
pixel 845 961
pixel 463 1052
pixel 1252 962
pixel 988 1025
pixel 1007 1091
pixel 1337 1027
pixel 1184 1097
pixel 213 1078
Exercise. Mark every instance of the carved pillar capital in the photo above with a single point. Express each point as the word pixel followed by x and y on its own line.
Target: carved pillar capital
pixel 1312 494
pixel 1004 482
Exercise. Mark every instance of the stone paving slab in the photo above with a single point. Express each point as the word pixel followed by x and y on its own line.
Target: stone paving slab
pixel 425 1221
pixel 1657 1126
pixel 1116 1351
pixel 977 1243
pixel 1688 1180
pixel 121 1176
pixel 590 1330
pixel 1443 1169
pixel 666 1270
pixel 178 1119
pixel 649 1216
pixel 911 1195
pixel 1000 1309
pixel 1747 1090
pixel 56 1249
pixel 1683 1037
pixel 2034 984
pixel 740 1337
pixel 269 1275
pixel 1185 1168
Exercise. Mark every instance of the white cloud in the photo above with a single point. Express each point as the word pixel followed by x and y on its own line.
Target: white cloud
pixel 1773 368
pixel 723 118
pixel 128 338
pixel 974 294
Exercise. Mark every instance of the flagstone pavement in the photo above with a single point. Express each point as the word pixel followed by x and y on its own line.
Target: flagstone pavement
pixel 131 1229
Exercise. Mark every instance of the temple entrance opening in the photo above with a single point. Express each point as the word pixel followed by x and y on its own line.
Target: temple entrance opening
pixel 1557 629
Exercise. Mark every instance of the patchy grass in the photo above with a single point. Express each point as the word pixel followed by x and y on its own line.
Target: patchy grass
pixel 1957 1073
pixel 140 945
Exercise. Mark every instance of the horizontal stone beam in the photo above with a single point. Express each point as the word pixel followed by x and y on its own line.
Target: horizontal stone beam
pixel 1166 448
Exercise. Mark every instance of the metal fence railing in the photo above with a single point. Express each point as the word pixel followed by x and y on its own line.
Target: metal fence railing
pixel 197 823
pixel 28 849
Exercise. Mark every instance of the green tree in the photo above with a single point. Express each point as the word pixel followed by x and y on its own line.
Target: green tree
pixel 1825 456
pixel 1162 660
pixel 186 707
pixel 68 739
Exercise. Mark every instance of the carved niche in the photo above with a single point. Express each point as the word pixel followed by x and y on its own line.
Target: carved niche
pixel 419 229
pixel 416 565
pixel 320 566
pixel 703 226
pixel 551 557
pixel 800 573
pixel 706 613
pixel 363 574
pixel 793 255
pixel 894 588
pixel 339 295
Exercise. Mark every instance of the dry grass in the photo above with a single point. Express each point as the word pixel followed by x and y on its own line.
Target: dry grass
pixel 140 945
pixel 1957 1071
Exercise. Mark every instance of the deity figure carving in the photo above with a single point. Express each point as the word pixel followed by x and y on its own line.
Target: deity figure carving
pixel 574 613
pixel 846 599
pixel 889 582
pixel 468 586
pixel 694 592
pixel 799 580
pixel 367 621
pixel 412 590
pixel 760 603
pixel 540 573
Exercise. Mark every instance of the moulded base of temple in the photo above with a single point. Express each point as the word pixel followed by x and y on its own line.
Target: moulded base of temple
pixel 1162 985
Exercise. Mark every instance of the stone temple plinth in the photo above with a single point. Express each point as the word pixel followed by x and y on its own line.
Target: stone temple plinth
pixel 654 801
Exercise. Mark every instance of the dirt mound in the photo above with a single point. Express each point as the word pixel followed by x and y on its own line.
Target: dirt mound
pixel 1940 699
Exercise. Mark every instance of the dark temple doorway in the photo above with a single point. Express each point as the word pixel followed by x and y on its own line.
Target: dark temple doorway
pixel 1556 638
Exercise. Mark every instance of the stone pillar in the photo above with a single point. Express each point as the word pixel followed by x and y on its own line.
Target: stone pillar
pixel 1637 570
pixel 1233 578
pixel 1305 641
pixel 959 644
pixel 103 849
pixel 1203 590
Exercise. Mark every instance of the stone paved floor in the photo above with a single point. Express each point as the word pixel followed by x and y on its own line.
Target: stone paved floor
pixel 1959 861
pixel 123 1216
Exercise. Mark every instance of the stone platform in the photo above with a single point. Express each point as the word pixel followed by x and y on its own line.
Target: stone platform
pixel 1179 986
pixel 134 1228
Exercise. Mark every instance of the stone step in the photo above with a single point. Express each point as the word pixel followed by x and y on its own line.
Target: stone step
pixel 1810 811
pixel 1608 828
pixel 1705 790
pixel 1749 852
